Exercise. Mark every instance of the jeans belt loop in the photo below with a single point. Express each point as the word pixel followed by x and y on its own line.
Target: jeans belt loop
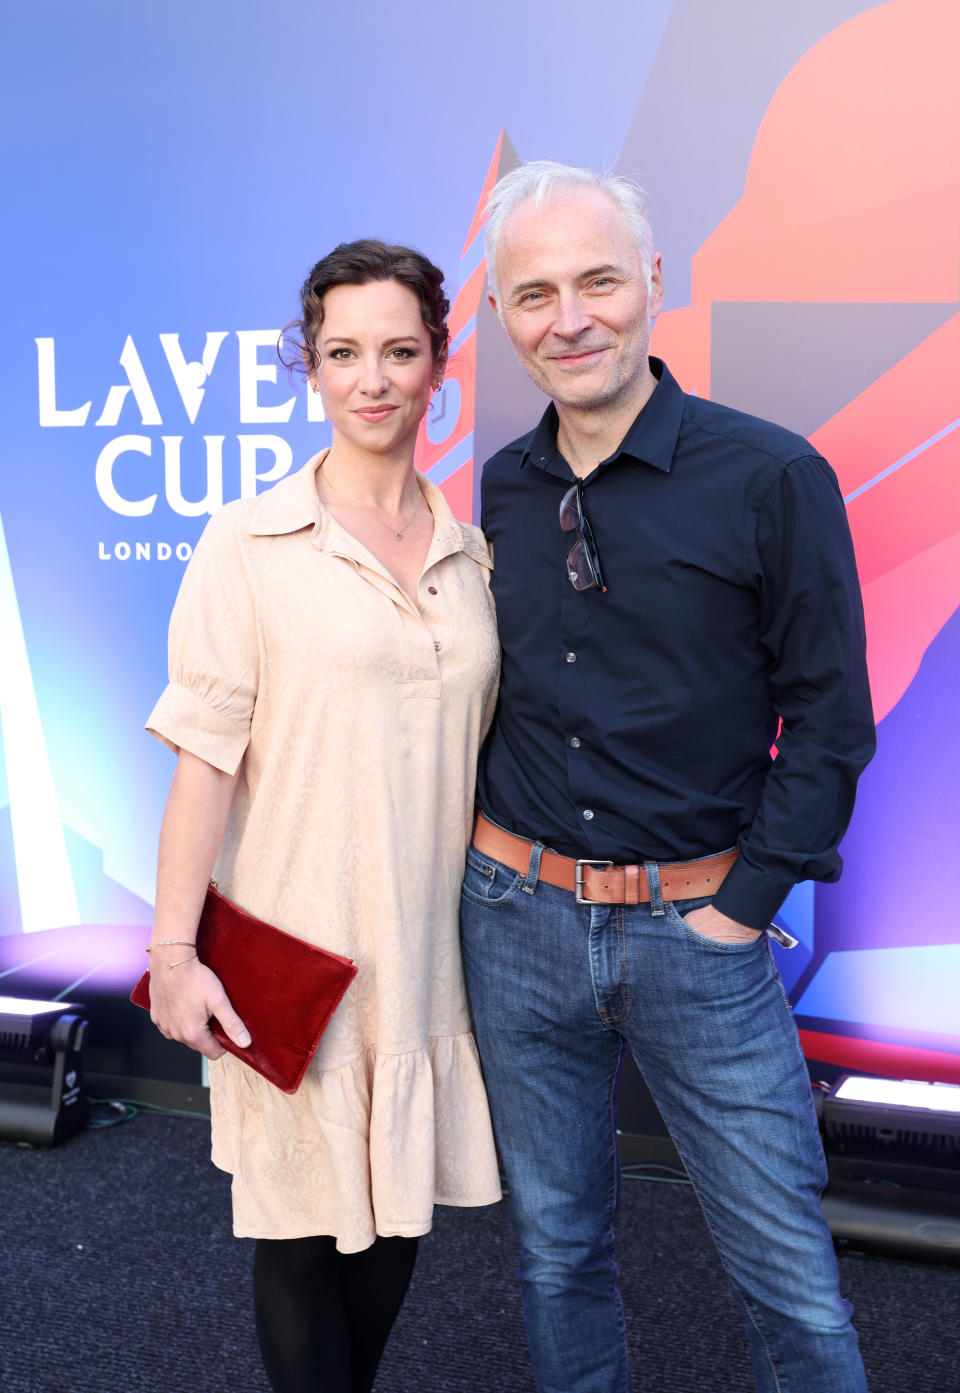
pixel 533 868
pixel 652 871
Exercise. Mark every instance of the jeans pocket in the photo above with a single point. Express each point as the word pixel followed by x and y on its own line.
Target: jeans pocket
pixel 489 882
pixel 675 911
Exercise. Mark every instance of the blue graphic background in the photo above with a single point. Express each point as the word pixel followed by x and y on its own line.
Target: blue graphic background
pixel 177 169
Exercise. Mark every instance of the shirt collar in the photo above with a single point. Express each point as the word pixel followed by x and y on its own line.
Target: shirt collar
pixel 294 503
pixel 651 439
pixel 291 504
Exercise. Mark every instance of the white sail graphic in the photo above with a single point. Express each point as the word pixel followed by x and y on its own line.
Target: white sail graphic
pixel 45 883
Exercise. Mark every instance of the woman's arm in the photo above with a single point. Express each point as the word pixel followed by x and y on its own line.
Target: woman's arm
pixel 185 996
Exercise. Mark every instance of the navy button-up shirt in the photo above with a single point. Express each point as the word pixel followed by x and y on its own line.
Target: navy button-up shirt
pixel 637 724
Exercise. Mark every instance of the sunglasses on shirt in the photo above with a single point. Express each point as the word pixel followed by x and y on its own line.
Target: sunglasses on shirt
pixel 583 562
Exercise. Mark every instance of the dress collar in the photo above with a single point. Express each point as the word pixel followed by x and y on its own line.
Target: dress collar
pixel 294 503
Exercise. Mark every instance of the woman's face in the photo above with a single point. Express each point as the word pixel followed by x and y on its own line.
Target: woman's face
pixel 375 367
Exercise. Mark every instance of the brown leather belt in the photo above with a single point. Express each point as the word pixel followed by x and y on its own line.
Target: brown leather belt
pixel 600 882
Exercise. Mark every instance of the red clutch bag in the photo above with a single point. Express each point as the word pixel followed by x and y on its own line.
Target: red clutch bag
pixel 284 990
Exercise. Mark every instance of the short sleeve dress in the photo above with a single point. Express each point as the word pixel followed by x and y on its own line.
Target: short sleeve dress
pixel 356 717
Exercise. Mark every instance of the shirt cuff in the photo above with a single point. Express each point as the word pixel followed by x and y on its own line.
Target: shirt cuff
pixel 749 896
pixel 184 721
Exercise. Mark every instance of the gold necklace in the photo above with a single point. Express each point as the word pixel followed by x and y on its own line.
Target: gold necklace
pixel 367 507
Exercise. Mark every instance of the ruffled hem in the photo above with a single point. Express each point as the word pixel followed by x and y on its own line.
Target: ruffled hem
pixel 359 1151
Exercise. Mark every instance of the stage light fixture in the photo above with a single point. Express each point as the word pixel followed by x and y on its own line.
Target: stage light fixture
pixel 895 1118
pixel 893 1151
pixel 42 1101
pixel 900 1093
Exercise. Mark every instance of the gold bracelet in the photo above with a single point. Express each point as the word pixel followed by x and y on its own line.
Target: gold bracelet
pixel 195 958
pixel 170 943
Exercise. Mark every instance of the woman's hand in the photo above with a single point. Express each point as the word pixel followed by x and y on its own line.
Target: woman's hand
pixel 184 997
pixel 183 993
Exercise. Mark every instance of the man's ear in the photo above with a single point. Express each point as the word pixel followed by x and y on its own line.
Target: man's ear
pixel 656 287
pixel 492 300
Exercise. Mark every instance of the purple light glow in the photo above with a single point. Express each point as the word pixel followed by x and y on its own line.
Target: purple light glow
pixel 99 958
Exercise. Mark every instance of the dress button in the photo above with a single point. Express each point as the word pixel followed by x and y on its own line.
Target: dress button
pixel 436 645
pixel 588 814
pixel 571 657
pixel 574 742
pixel 431 590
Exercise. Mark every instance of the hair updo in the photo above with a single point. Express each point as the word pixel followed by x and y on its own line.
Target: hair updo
pixel 359 263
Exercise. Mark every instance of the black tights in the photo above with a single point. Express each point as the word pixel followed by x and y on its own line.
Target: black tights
pixel 323 1317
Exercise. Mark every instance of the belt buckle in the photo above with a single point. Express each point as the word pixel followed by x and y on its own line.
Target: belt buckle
pixel 578 878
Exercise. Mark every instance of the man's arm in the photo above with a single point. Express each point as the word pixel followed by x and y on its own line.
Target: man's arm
pixel 812 628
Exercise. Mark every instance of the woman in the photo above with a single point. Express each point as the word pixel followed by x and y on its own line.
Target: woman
pixel 333 662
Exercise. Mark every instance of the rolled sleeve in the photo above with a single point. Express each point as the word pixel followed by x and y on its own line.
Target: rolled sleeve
pixel 749 896
pixel 185 721
pixel 207 708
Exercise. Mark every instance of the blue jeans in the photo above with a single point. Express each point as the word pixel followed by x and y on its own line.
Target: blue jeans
pixel 556 987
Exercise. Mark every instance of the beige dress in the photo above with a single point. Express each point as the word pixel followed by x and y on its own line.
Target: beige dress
pixel 357 719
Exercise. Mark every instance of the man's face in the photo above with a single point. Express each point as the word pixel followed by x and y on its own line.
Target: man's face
pixel 574 299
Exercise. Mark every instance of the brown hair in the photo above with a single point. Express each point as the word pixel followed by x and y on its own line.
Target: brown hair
pixel 358 263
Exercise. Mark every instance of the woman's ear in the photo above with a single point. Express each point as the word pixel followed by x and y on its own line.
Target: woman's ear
pixel 309 371
pixel 439 368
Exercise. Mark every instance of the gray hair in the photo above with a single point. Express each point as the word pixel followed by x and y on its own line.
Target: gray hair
pixel 539 180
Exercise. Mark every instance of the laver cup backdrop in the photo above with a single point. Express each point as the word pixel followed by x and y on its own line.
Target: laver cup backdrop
pixel 177 169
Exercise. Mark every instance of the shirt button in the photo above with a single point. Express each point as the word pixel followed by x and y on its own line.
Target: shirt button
pixel 431 590
pixel 436 645
pixel 588 814
pixel 571 657
pixel 574 742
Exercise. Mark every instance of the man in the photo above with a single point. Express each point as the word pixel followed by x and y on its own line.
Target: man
pixel 672 578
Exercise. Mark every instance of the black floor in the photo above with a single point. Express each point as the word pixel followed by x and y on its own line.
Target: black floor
pixel 119 1273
